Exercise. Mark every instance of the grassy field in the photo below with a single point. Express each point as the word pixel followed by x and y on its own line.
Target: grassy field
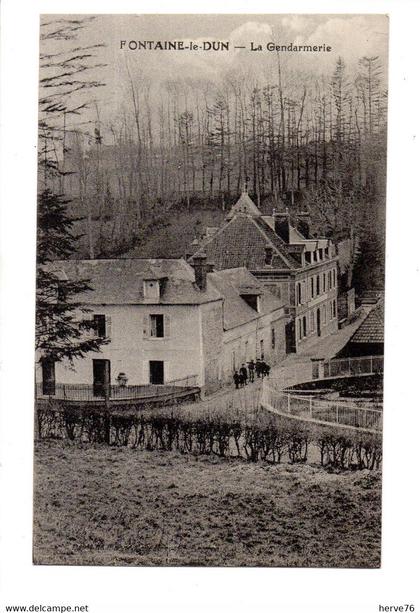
pixel 117 506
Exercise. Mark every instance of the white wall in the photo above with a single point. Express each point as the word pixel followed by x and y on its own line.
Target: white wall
pixel 130 351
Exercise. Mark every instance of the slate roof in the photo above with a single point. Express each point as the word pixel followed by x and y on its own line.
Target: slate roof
pixel 120 281
pixel 242 241
pixel 236 312
pixel 244 205
pixel 372 328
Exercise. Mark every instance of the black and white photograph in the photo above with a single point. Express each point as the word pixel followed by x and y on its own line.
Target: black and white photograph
pixel 210 290
pixel 209 279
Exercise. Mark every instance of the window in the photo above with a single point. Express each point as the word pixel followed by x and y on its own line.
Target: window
pixel 334 277
pixel 99 325
pixel 299 293
pixel 273 338
pixel 318 288
pixel 304 325
pixel 157 326
pixel 300 328
pixel 329 279
pixel 324 282
pixel 312 287
pixel 253 300
pixel 334 309
pixel 261 349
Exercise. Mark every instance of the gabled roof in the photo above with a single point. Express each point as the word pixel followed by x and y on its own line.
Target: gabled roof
pixel 372 328
pixel 120 281
pixel 242 241
pixel 230 284
pixel 245 206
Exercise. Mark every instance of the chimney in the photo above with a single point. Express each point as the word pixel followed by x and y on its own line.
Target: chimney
pixel 303 223
pixel 200 270
pixel 268 261
pixel 282 225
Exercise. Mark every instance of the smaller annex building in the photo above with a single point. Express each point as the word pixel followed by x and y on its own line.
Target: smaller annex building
pixel 368 340
pixel 167 321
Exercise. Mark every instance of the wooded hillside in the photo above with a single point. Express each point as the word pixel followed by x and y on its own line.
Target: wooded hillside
pixel 293 139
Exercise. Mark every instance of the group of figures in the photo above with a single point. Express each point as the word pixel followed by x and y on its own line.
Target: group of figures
pixel 248 371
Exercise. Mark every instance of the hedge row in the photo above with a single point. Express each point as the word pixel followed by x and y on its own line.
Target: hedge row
pixel 270 439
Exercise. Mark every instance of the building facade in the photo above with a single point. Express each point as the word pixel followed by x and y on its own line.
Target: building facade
pixel 167 321
pixel 299 269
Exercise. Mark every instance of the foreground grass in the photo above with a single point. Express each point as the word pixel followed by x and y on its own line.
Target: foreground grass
pixel 118 506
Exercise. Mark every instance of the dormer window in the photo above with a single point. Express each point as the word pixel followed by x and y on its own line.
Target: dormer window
pixel 252 298
pixel 151 289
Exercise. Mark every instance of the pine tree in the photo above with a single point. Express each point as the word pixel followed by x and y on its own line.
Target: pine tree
pixel 60 333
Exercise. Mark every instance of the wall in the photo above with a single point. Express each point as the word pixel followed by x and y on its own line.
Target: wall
pixel 326 302
pixel 211 315
pixel 243 343
pixel 130 349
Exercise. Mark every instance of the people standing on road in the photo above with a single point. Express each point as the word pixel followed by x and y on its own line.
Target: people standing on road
pixel 266 369
pixel 251 370
pixel 244 373
pixel 236 379
pixel 258 367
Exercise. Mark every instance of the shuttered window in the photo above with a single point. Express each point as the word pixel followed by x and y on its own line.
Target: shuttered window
pixel 156 325
pixel 99 323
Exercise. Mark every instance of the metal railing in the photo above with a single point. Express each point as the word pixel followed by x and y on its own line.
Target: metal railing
pixel 332 413
pixel 348 367
pixel 90 393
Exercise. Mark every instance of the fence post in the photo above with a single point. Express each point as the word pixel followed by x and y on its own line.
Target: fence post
pixel 310 406
pixel 107 416
pixel 288 403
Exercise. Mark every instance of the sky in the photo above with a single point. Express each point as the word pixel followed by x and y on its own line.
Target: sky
pixel 350 37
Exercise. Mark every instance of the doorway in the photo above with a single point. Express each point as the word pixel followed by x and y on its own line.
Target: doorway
pixel 48 377
pixel 101 377
pixel 318 322
pixel 157 374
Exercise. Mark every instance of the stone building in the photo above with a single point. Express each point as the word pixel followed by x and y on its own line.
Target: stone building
pixel 298 268
pixel 168 321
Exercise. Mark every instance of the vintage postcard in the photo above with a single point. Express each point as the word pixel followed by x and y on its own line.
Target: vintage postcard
pixel 210 290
